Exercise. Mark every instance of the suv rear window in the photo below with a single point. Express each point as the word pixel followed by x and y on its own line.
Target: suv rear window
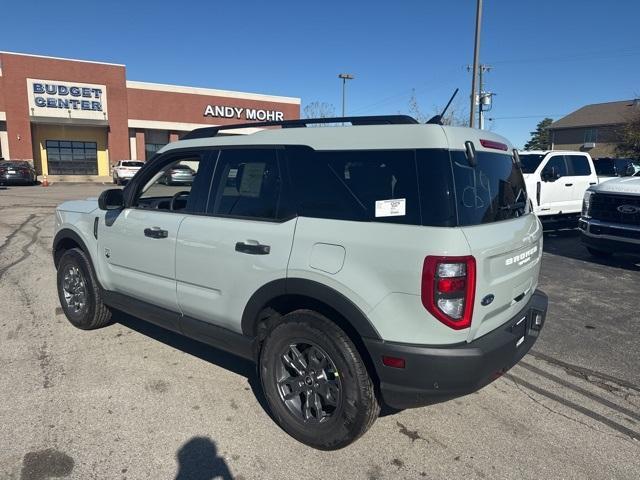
pixel 414 187
pixel 357 185
pixel 492 191
pixel 132 164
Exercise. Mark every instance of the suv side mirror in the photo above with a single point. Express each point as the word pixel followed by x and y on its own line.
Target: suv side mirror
pixel 112 199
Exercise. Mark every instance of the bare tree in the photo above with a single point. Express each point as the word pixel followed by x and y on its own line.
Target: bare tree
pixel 414 108
pixel 454 116
pixel 629 137
pixel 319 110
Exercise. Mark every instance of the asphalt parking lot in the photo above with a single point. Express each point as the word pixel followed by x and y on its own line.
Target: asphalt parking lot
pixel 133 401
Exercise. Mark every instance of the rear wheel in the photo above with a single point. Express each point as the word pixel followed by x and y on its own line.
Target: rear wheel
pixel 79 293
pixel 599 253
pixel 315 382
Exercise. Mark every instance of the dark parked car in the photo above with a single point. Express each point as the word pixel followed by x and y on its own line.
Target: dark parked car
pixel 13 171
pixel 179 175
pixel 616 167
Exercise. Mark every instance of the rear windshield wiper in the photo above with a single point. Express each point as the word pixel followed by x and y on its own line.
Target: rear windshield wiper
pixel 514 206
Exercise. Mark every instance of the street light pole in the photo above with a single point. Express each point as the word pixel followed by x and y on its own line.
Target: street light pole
pixel 344 77
pixel 476 55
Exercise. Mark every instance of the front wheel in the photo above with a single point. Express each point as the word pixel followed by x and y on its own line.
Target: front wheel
pixel 316 383
pixel 79 293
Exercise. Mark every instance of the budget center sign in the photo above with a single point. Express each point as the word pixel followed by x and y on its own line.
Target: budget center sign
pixel 52 98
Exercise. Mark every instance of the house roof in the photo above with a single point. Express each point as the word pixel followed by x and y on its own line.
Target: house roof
pixel 610 113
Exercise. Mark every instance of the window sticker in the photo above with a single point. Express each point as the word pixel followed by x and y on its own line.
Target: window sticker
pixel 251 182
pixel 391 208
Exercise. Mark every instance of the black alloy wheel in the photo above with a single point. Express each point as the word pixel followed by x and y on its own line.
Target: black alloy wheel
pixel 316 384
pixel 79 293
pixel 308 382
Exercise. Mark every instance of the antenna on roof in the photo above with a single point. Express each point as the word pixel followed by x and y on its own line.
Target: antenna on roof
pixel 437 119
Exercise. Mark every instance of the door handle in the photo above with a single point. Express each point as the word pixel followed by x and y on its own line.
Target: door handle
pixel 253 248
pixel 155 232
pixel 568 184
pixel 592 183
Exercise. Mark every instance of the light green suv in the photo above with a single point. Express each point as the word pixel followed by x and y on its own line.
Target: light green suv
pixel 384 262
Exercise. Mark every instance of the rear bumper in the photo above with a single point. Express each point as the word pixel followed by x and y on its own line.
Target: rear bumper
pixel 434 374
pixel 7 179
pixel 126 175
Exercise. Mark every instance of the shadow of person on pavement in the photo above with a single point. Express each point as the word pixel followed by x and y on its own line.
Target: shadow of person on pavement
pixel 198 460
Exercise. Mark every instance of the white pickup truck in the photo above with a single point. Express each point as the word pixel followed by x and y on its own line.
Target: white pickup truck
pixel 556 181
pixel 610 220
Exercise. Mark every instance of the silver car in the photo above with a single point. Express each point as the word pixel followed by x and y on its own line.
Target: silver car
pixel 179 175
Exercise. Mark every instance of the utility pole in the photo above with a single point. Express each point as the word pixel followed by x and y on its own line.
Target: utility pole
pixel 476 56
pixel 483 97
pixel 344 77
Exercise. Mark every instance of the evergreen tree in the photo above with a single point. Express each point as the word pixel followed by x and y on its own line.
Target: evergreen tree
pixel 540 138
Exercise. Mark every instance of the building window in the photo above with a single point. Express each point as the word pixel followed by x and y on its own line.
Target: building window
pixel 591 135
pixel 151 148
pixel 154 140
pixel 67 157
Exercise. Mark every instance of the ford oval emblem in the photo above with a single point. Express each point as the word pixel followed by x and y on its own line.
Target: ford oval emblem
pixel 487 300
pixel 630 209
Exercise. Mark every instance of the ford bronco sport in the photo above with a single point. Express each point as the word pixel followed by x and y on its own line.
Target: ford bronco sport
pixel 385 262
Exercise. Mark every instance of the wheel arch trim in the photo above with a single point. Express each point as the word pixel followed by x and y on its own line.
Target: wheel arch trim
pixel 312 290
pixel 68 234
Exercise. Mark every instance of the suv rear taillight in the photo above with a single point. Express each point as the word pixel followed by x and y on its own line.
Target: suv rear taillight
pixel 448 289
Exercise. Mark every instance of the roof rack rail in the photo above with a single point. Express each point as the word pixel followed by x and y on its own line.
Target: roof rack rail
pixel 303 122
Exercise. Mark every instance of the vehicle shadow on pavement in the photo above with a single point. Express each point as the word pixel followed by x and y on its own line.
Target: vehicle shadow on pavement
pixel 200 350
pixel 198 460
pixel 566 242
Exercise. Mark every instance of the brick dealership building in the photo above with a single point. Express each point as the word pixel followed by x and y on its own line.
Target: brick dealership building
pixel 75 117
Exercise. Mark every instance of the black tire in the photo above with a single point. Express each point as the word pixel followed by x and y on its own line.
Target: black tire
pixel 93 313
pixel 356 406
pixel 114 180
pixel 599 253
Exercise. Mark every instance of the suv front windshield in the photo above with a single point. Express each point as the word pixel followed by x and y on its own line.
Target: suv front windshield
pixel 530 161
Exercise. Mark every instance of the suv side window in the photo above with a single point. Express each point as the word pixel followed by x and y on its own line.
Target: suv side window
pixel 357 185
pixel 579 165
pixel 248 183
pixel 557 163
pixel 181 184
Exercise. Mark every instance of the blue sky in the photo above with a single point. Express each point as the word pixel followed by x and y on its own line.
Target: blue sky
pixel 548 57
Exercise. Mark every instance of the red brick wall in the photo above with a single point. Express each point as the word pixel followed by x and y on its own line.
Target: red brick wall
pixel 140 144
pixel 17 68
pixel 189 108
pixel 1 92
pixel 123 104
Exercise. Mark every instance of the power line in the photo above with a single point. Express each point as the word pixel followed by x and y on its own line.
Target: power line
pixel 421 87
pixel 602 54
pixel 528 116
